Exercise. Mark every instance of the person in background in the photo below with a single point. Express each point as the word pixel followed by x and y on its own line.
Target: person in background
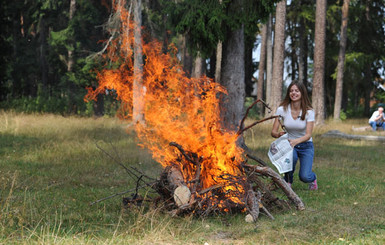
pixel 298 120
pixel 377 120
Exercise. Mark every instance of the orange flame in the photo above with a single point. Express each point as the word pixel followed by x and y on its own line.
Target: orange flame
pixel 175 108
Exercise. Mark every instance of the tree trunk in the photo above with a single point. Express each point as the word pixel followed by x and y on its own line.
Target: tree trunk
pixel 186 58
pixel 269 61
pixel 279 55
pixel 198 66
pixel 302 59
pixel 233 75
pixel 71 62
pixel 98 106
pixel 138 90
pixel 318 93
pixel 43 57
pixel 368 89
pixel 261 69
pixel 218 62
pixel 341 60
pixel 249 81
pixel 367 67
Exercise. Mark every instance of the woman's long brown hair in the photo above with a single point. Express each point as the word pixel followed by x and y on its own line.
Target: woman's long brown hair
pixel 305 101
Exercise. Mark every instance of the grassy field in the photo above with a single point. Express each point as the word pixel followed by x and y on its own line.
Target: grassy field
pixel 51 170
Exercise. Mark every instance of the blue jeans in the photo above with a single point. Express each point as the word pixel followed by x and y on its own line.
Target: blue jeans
pixel 377 125
pixel 305 152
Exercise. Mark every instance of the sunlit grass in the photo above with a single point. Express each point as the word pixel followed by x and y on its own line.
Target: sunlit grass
pixel 51 170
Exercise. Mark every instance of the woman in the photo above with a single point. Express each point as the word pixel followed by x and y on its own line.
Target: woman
pixel 298 120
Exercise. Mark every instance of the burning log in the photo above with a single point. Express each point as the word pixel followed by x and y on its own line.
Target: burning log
pixel 181 192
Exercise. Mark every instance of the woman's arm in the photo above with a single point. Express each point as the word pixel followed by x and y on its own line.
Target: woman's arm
pixel 275 131
pixel 306 137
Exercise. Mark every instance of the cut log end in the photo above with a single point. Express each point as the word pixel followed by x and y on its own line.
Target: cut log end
pixel 182 195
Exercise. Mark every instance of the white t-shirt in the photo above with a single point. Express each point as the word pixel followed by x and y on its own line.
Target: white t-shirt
pixel 374 115
pixel 295 128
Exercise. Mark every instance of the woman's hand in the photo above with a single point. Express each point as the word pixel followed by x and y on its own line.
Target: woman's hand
pixel 274 131
pixel 281 133
pixel 277 134
pixel 294 142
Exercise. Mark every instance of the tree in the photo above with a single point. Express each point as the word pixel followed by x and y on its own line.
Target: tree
pixel 231 22
pixel 279 54
pixel 71 60
pixel 138 92
pixel 303 49
pixel 261 69
pixel 341 60
pixel 269 59
pixel 318 94
pixel 233 73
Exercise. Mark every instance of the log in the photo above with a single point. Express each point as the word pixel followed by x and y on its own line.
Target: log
pixel 252 204
pixel 181 193
pixel 339 134
pixel 278 180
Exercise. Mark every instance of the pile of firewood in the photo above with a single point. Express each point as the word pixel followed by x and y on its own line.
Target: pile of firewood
pixel 257 189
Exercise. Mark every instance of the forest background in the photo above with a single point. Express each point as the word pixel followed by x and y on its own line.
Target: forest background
pixel 51 169
pixel 51 50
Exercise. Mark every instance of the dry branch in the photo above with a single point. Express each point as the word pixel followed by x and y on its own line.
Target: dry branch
pixel 248 110
pixel 241 130
pixel 267 171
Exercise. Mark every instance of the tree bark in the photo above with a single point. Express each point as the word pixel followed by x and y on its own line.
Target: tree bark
pixel 249 81
pixel 269 61
pixel 186 58
pixel 367 66
pixel 279 55
pixel 341 60
pixel 318 93
pixel 232 78
pixel 218 62
pixel 233 74
pixel 261 69
pixel 198 66
pixel 138 90
pixel 303 50
pixel 71 62
pixel 43 57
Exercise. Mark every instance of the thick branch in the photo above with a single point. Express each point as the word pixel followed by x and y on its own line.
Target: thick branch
pixel 267 171
pixel 241 130
pixel 248 110
pixel 180 148
pixel 257 159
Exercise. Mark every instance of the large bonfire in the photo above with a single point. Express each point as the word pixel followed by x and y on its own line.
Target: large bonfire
pixel 205 170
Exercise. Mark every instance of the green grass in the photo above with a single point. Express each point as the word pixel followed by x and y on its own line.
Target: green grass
pixel 51 170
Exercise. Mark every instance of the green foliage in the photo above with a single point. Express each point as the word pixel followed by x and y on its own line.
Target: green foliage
pixel 343 115
pixel 25 51
pixel 207 22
